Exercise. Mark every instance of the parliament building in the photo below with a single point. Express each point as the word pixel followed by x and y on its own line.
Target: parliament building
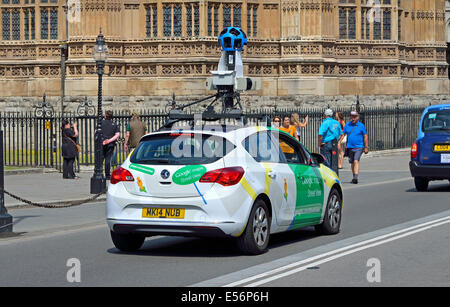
pixel 299 48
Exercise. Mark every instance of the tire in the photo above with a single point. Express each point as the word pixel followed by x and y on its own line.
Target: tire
pixel 333 215
pixel 421 184
pixel 127 242
pixel 255 239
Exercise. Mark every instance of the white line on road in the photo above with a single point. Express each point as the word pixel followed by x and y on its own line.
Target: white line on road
pixel 46 233
pixel 352 251
pixel 264 273
pixel 375 183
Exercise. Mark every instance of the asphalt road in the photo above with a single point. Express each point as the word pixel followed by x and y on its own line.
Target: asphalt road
pixel 388 229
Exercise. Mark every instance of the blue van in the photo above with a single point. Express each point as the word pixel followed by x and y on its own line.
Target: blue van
pixel 430 154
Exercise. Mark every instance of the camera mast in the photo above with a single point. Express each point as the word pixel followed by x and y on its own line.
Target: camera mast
pixel 228 80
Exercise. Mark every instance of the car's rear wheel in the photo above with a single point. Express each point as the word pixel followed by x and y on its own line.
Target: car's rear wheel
pixel 127 242
pixel 255 239
pixel 333 215
pixel 421 184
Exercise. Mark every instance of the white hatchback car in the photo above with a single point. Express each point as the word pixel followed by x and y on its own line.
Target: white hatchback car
pixel 245 183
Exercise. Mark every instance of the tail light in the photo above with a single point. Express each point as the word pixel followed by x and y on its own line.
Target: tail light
pixel 121 174
pixel 225 176
pixel 414 151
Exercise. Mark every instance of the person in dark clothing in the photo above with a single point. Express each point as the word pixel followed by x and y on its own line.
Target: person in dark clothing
pixel 69 148
pixel 111 133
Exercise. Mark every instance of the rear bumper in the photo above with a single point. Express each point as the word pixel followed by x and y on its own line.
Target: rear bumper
pixel 432 172
pixel 210 219
pixel 209 231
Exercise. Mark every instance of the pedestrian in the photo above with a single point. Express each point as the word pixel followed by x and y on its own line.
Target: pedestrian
pixel 330 132
pixel 288 128
pixel 357 143
pixel 341 144
pixel 295 119
pixel 111 133
pixel 136 129
pixel 276 121
pixel 69 148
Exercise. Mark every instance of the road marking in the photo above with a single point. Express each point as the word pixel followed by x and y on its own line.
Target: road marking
pixel 267 272
pixel 334 257
pixel 41 234
pixel 374 183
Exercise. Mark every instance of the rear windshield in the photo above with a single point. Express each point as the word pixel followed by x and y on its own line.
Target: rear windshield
pixel 436 121
pixel 181 149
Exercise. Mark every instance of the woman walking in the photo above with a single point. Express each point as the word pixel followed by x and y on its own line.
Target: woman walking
pixel 69 148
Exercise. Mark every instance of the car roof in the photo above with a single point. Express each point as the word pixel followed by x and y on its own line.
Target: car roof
pixel 437 107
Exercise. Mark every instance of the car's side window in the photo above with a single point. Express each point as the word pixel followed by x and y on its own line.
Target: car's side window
pixel 262 149
pixel 306 154
pixel 291 150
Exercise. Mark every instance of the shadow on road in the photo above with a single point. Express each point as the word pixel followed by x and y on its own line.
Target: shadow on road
pixel 184 247
pixel 18 219
pixel 433 188
pixel 200 247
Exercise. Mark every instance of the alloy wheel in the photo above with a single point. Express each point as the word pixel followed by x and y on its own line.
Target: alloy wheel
pixel 334 211
pixel 260 229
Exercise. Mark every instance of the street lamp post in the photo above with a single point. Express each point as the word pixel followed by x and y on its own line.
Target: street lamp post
pixel 100 54
pixel 64 47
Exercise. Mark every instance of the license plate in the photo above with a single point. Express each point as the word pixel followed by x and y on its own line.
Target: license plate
pixel 445 158
pixel 163 213
pixel 441 148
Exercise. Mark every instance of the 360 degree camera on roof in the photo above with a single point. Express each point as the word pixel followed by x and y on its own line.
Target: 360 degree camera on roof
pixel 232 39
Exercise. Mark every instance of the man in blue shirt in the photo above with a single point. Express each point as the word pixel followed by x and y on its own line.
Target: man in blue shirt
pixel 357 143
pixel 329 134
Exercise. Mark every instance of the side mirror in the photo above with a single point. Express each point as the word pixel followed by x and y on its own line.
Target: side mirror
pixel 318 158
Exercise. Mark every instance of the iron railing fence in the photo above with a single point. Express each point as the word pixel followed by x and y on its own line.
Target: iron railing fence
pixel 31 140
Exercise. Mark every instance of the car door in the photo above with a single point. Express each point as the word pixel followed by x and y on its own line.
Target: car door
pixel 309 184
pixel 279 180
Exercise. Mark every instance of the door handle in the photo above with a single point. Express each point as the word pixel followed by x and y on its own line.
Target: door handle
pixel 272 175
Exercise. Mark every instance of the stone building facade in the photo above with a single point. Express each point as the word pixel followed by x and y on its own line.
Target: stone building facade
pixel 305 51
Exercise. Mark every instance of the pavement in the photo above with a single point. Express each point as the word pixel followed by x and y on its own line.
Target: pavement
pixel 48 187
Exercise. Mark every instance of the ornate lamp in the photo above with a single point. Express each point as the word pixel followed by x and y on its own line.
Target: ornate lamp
pixel 100 54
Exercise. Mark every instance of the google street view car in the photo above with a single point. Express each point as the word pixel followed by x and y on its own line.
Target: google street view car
pixel 430 154
pixel 246 183
pixel 241 182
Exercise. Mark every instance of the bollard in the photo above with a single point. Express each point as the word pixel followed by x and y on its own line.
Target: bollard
pixel 6 220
